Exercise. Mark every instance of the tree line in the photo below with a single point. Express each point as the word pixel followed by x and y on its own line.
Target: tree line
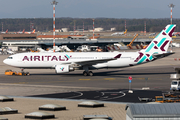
pixel 46 24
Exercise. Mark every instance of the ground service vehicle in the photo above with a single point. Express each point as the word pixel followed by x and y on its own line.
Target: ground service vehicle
pixel 10 72
pixel 84 48
pixel 96 48
pixel 175 85
pixel 167 98
pixel 130 44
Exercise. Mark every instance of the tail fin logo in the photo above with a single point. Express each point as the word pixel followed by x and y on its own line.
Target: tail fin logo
pixel 157 45
pixel 67 57
pixel 161 42
pixel 62 69
pixel 143 57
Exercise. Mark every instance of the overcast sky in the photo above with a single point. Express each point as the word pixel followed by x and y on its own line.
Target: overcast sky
pixel 89 8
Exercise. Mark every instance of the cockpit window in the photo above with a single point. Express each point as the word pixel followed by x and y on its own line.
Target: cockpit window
pixel 10 58
pixel 174 83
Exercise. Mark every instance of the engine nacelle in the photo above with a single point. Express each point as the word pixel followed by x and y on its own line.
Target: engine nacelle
pixel 63 68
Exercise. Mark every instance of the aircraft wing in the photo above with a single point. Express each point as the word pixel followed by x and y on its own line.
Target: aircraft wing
pixel 94 62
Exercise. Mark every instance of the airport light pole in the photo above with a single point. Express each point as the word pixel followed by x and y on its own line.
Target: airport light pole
pixel 74 27
pixel 145 28
pixel 83 27
pixel 125 27
pixel 93 28
pixel 2 26
pixel 31 26
pixel 54 3
pixel 171 6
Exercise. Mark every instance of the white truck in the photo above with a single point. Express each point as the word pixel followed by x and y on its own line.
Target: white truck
pixel 84 48
pixel 175 83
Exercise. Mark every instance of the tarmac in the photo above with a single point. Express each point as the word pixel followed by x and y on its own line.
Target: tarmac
pixel 20 90
pixel 73 112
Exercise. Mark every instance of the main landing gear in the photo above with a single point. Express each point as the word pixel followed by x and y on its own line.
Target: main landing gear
pixel 88 73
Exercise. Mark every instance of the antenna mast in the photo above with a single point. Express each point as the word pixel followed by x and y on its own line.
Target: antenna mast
pixel 54 3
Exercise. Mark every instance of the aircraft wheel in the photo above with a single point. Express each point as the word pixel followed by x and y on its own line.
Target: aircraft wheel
pixel 27 73
pixel 90 73
pixel 85 73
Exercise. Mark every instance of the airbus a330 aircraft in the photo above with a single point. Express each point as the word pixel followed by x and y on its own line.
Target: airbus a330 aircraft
pixel 66 62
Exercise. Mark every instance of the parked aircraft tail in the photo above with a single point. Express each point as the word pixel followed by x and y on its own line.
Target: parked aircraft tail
pixel 23 31
pixel 125 31
pixel 158 46
pixel 33 31
pixel 161 42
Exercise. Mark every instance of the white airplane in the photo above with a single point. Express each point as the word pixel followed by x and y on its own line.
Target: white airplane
pixel 31 32
pixel 119 33
pixel 64 62
pixel 152 34
pixel 5 32
pixel 20 32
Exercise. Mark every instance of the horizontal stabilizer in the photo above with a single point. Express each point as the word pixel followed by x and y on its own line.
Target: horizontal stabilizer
pixel 156 56
pixel 118 56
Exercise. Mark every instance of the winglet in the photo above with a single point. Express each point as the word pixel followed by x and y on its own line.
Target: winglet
pixel 118 56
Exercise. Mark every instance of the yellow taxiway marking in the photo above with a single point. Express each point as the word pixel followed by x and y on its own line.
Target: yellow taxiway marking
pixel 98 79
pixel 21 83
pixel 84 79
pixel 40 82
pixel 141 78
pixel 109 78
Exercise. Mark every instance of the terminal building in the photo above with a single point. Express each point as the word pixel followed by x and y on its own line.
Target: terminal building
pixel 18 37
pixel 18 42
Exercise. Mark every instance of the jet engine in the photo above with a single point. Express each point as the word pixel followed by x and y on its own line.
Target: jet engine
pixel 63 68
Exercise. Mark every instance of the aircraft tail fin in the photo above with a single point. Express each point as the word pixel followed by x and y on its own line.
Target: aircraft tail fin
pixel 161 42
pixel 34 31
pixel 23 31
pixel 125 31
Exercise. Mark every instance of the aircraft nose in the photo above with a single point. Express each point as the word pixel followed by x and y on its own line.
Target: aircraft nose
pixel 5 61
